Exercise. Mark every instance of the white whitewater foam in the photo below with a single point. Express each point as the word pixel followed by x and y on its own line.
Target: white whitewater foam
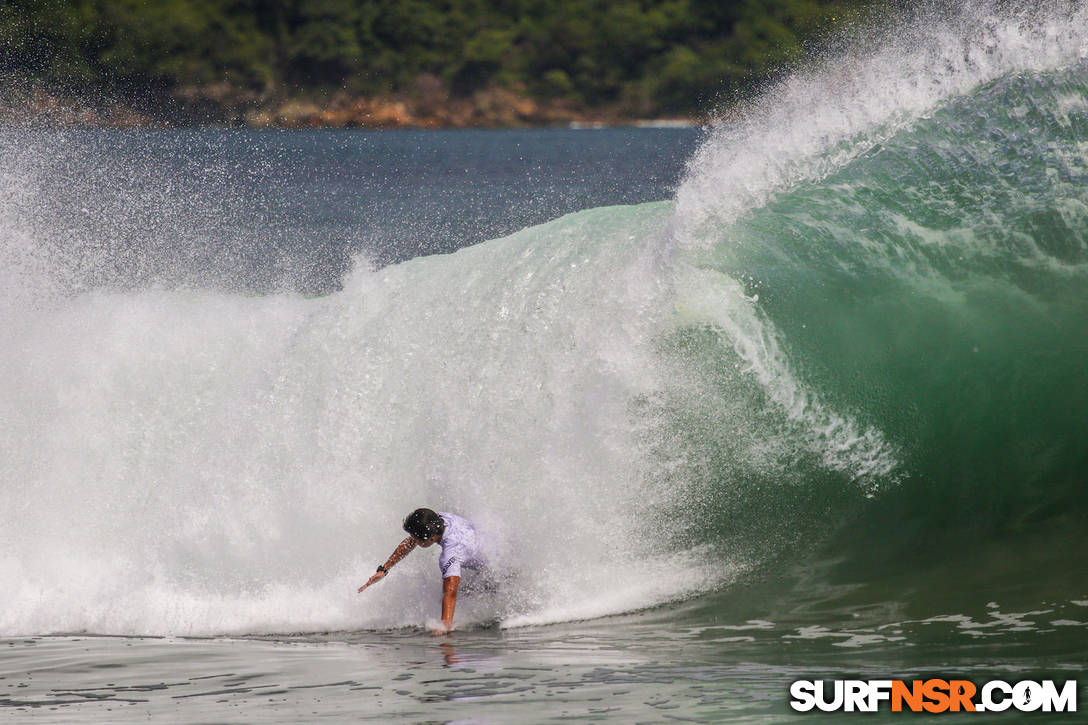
pixel 842 444
pixel 197 462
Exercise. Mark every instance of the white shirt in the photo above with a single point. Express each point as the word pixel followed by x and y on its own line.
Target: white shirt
pixel 461 546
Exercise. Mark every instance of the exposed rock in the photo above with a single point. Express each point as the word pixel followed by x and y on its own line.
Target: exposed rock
pixel 42 107
pixel 427 104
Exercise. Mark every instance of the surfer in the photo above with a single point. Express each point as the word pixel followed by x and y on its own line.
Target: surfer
pixel 461 547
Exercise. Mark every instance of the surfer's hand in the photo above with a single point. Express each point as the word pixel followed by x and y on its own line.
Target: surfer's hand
pixel 373 580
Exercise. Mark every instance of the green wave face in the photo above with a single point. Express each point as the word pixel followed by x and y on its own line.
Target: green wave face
pixel 933 293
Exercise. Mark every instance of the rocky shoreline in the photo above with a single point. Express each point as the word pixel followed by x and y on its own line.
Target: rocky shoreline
pixel 225 106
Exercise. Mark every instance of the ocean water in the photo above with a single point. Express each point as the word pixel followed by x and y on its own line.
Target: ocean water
pixel 800 395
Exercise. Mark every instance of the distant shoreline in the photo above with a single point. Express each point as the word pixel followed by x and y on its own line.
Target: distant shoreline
pixel 210 107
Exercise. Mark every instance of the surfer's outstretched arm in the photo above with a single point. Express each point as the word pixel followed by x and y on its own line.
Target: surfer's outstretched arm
pixel 399 553
pixel 449 602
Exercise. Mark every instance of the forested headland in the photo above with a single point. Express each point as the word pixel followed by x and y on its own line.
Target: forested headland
pixel 398 62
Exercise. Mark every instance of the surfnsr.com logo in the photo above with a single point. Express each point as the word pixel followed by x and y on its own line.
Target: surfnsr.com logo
pixel 933 695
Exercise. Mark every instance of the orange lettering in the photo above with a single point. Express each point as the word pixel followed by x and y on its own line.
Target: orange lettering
pixel 937 692
pixel 912 696
pixel 961 693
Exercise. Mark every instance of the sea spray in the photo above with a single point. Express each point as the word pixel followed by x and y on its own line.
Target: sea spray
pixel 815 121
pixel 199 462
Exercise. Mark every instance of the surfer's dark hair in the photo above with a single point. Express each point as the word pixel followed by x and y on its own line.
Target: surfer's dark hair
pixel 424 523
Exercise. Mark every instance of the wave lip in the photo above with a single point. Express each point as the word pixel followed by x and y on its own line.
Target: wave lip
pixel 817 121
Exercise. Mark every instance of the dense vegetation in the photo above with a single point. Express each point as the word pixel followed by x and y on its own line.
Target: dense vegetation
pixel 644 56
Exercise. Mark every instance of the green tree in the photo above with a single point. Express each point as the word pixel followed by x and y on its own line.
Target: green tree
pixel 651 56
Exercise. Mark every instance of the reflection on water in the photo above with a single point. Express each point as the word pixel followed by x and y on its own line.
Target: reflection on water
pixel 623 669
pixel 372 676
